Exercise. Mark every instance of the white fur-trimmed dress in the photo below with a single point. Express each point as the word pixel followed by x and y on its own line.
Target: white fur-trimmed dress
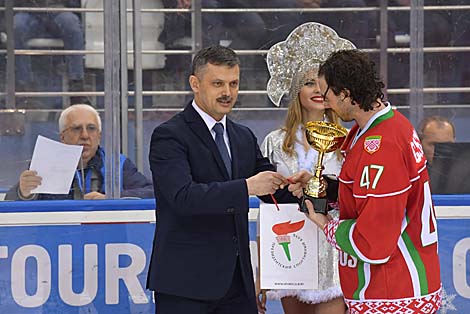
pixel 328 277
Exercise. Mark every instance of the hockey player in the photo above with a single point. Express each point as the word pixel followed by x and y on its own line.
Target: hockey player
pixel 386 233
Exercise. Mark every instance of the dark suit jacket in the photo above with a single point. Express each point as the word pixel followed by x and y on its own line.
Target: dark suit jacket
pixel 202 226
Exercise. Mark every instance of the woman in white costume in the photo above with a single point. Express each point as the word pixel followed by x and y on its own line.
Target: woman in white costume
pixel 293 66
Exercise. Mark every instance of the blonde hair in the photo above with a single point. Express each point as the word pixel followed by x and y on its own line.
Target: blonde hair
pixel 64 114
pixel 294 120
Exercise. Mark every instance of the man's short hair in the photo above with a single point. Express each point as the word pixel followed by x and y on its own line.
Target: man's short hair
pixel 64 114
pixel 440 121
pixel 354 71
pixel 216 55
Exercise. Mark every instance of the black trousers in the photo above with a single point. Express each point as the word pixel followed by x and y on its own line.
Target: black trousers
pixel 235 301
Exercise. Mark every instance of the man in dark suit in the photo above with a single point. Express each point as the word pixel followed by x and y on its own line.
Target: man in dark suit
pixel 204 168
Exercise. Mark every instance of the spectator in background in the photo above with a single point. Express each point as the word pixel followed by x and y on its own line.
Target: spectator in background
pixel 240 30
pixel 226 29
pixel 176 32
pixel 3 57
pixel 177 35
pixel 439 67
pixel 247 31
pixel 461 37
pixel 239 25
pixel 432 130
pixel 447 160
pixel 275 27
pixel 278 24
pixel 64 25
pixel 81 125
pixel 354 26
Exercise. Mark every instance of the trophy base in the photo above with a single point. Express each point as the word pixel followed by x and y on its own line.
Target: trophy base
pixel 320 204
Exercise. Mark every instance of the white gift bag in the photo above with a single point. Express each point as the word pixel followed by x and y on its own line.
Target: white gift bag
pixel 288 248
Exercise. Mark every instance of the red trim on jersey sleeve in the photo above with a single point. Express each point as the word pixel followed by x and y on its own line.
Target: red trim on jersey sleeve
pixel 330 230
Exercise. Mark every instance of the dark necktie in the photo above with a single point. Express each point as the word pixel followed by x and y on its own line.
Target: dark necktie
pixel 219 141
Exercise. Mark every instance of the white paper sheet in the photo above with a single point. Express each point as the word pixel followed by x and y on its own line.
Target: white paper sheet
pixel 288 248
pixel 56 163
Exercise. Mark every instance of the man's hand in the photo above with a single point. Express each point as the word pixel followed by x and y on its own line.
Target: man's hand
pixel 94 196
pixel 298 181
pixel 319 219
pixel 266 182
pixel 302 177
pixel 29 180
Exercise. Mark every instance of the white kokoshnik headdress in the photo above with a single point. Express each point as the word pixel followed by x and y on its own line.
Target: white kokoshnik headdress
pixel 290 61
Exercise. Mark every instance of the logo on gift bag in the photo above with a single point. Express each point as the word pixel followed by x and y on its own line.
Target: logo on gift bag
pixel 285 238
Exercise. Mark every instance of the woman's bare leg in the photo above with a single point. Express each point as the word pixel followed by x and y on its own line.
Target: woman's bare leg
pixel 335 306
pixel 292 305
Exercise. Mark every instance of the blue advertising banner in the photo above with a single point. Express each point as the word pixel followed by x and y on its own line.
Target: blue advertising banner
pixel 95 260
pixel 454 250
pixel 100 268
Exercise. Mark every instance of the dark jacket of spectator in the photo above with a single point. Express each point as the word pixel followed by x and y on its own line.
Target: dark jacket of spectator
pixel 47 3
pixel 134 183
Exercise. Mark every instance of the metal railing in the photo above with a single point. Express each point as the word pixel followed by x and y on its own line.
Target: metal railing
pixel 196 12
pixel 388 50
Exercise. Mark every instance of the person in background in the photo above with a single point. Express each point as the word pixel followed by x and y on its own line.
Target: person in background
pixel 432 130
pixel 64 25
pixel 353 25
pixel 81 125
pixel 386 233
pixel 288 149
pixel 205 167
pixel 218 28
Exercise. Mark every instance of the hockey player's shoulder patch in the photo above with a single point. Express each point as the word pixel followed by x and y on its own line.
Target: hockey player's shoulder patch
pixel 372 143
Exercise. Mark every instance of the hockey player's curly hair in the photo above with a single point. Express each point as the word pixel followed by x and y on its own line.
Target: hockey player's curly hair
pixel 353 71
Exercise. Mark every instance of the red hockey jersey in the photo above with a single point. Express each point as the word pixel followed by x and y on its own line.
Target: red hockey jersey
pixel 387 232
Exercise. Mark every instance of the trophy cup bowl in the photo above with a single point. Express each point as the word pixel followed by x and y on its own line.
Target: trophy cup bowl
pixel 324 137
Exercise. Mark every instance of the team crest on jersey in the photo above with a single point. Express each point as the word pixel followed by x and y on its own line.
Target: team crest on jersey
pixel 372 143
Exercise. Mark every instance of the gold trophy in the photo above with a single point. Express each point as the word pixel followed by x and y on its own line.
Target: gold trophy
pixel 324 137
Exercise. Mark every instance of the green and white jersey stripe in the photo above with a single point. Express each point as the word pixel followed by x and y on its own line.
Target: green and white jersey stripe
pixel 344 239
pixel 363 276
pixel 415 265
